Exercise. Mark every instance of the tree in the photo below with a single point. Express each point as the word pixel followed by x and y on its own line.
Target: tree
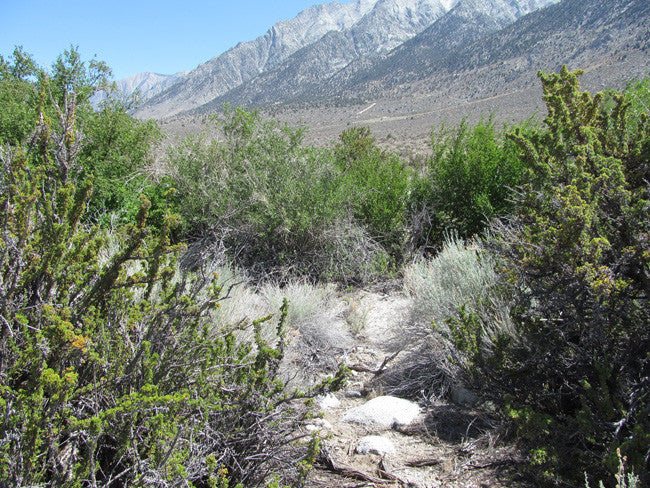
pixel 18 97
pixel 577 257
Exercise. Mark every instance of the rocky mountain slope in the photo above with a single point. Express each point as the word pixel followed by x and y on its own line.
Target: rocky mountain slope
pixel 148 84
pixel 356 29
pixel 311 73
pixel 580 33
pixel 471 61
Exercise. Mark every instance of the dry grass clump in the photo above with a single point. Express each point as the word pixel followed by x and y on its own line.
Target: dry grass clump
pixel 460 281
pixel 317 333
pixel 460 274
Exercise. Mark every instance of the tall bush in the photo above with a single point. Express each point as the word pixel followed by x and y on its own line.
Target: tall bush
pixel 468 181
pixel 577 258
pixel 377 183
pixel 278 206
pixel 110 371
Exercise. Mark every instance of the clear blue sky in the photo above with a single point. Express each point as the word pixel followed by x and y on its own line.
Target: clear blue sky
pixel 134 36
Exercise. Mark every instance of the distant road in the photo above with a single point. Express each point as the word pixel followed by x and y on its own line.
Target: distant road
pixel 367 108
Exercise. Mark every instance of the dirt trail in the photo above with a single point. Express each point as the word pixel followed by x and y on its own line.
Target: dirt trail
pixel 450 446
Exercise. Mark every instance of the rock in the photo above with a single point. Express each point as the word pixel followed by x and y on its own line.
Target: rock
pixel 353 394
pixel 318 424
pixel 384 412
pixel 328 401
pixel 375 444
pixel 463 396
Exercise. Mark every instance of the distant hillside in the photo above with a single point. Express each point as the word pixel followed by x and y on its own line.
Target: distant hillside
pixel 310 73
pixel 365 27
pixel 580 33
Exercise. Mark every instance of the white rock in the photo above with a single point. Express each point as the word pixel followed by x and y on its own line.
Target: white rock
pixel 317 425
pixel 384 412
pixel 323 423
pixel 375 444
pixel 325 402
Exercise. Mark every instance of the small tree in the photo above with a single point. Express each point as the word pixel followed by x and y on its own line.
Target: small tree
pixel 577 257
pixel 110 371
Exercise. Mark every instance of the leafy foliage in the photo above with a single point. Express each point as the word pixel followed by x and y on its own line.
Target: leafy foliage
pixel 112 146
pixel 18 97
pixel 378 184
pixel 110 371
pixel 577 259
pixel 117 151
pixel 468 182
pixel 276 204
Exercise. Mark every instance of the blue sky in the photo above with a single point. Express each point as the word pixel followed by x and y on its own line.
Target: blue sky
pixel 133 36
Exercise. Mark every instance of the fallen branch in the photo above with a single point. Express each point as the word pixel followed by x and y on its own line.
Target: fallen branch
pixel 365 369
pixel 421 463
pixel 326 461
pixel 385 471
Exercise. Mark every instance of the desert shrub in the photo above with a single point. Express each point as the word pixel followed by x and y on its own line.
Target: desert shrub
pixel 18 97
pixel 315 313
pixel 468 181
pixel 258 188
pixel 117 151
pixel 275 204
pixel 377 183
pixel 111 371
pixel 576 259
pixel 349 255
pixel 111 145
pixel 455 297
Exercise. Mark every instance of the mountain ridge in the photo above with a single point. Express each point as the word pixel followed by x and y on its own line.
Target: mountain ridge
pixel 458 49
pixel 367 25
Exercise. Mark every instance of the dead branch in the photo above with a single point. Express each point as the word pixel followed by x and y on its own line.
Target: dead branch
pixel 364 369
pixel 326 461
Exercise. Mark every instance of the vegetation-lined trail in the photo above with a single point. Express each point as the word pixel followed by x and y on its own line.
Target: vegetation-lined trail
pixel 127 359
pixel 452 444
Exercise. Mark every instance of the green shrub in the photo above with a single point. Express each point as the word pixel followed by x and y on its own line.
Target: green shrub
pixel 377 183
pixel 577 260
pixel 468 182
pixel 111 145
pixel 117 152
pixel 456 292
pixel 111 372
pixel 274 203
pixel 18 97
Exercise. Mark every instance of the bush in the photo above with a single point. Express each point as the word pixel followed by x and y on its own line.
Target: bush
pixel 455 296
pixel 276 205
pixel 18 97
pixel 110 370
pixel 117 151
pixel 110 144
pixel 577 259
pixel 377 183
pixel 468 182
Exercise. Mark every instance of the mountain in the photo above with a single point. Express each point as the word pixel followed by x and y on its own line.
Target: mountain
pixel 467 22
pixel 248 59
pixel 315 44
pixel 343 58
pixel 589 34
pixel 423 56
pixel 148 84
